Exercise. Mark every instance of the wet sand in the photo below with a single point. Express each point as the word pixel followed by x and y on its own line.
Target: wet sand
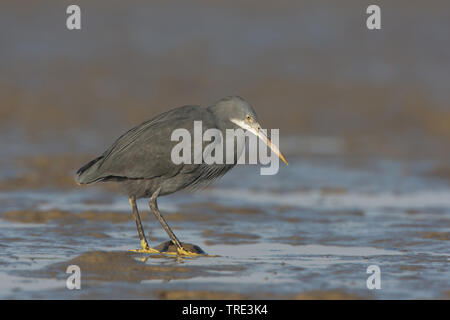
pixel 365 126
pixel 295 243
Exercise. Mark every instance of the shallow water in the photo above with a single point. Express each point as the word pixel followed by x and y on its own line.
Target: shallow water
pixel 317 225
pixel 368 181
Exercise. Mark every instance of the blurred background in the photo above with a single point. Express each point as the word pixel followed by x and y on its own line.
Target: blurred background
pixel 310 68
pixel 357 109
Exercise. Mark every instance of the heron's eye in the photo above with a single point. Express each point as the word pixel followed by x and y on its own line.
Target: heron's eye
pixel 248 117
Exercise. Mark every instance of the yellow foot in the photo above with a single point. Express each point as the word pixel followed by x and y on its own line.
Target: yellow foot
pixel 183 252
pixel 145 248
pixel 186 250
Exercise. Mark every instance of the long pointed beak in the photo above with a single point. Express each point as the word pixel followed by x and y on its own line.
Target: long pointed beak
pixel 257 131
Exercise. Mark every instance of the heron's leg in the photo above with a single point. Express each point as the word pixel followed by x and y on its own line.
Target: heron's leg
pixel 145 248
pixel 173 237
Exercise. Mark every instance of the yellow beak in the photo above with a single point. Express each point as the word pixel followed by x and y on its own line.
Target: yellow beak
pixel 257 131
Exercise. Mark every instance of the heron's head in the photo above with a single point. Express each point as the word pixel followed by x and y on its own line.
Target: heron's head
pixel 237 112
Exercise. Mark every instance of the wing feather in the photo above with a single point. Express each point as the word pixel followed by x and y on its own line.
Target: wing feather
pixel 144 152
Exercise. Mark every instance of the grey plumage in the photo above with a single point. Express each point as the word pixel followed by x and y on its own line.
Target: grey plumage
pixel 140 159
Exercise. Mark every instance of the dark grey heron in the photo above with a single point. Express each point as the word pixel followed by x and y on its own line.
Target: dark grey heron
pixel 140 160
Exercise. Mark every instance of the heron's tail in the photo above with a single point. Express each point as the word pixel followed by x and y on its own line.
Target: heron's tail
pixel 88 173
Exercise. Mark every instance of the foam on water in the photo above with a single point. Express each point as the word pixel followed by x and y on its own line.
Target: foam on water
pixel 349 200
pixel 73 201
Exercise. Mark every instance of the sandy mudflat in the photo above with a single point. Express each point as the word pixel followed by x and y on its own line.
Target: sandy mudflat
pixel 364 122
pixel 296 243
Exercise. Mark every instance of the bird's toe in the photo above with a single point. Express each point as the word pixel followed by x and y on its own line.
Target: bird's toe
pixel 145 250
pixel 186 249
pixel 183 252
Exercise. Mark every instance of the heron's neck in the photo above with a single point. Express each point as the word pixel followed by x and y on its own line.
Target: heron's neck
pixel 221 119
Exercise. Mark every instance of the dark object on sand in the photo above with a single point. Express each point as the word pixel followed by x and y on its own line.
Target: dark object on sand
pixel 140 160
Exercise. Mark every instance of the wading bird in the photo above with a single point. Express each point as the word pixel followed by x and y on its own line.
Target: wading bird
pixel 140 160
